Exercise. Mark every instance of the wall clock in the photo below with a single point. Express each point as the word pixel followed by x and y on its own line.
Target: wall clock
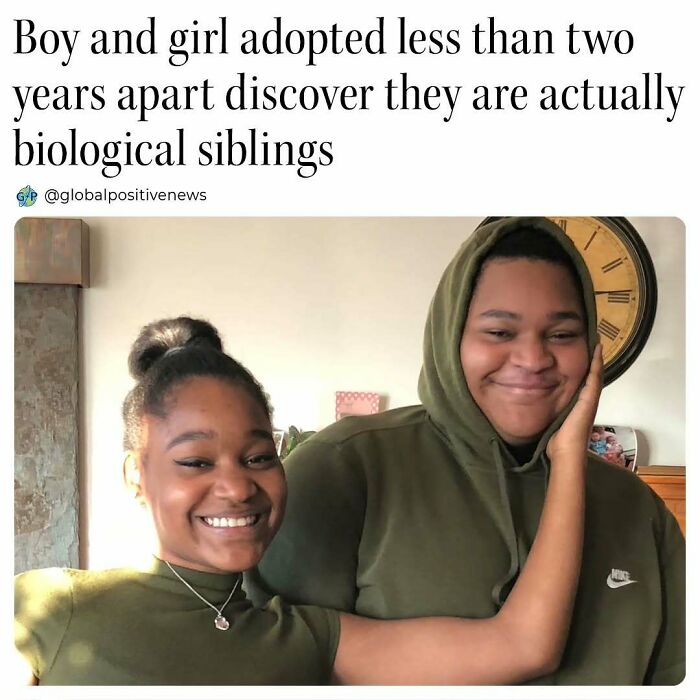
pixel 623 280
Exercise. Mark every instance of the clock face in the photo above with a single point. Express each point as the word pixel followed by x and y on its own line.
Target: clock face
pixel 618 280
pixel 623 281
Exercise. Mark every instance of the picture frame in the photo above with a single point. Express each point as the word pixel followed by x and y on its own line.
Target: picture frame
pixel 616 444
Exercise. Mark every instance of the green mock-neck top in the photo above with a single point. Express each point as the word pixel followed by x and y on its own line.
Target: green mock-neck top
pixel 145 627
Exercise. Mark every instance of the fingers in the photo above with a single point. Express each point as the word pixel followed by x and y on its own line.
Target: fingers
pixel 590 393
pixel 576 428
pixel 595 374
pixel 597 361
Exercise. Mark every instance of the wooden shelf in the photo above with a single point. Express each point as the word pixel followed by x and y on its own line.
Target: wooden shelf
pixel 669 484
pixel 656 470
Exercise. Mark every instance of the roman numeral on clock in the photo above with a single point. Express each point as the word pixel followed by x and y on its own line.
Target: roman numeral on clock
pixel 561 223
pixel 612 265
pixel 590 240
pixel 620 297
pixel 609 330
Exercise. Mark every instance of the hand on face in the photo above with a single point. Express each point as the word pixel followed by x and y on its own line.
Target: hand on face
pixel 524 351
pixel 211 477
pixel 572 438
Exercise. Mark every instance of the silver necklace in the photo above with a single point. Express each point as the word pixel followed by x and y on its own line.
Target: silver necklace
pixel 220 622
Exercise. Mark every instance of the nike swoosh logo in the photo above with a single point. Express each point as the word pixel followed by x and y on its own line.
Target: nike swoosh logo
pixel 613 583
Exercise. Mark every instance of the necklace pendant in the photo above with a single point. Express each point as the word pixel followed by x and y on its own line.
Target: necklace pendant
pixel 221 623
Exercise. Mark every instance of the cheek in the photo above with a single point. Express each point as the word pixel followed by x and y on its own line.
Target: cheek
pixel 575 364
pixel 478 361
pixel 276 490
pixel 274 485
pixel 168 498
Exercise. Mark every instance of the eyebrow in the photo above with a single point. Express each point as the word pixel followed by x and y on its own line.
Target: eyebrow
pixel 192 435
pixel 509 315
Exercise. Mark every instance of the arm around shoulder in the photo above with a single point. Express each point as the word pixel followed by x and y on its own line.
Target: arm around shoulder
pixel 434 651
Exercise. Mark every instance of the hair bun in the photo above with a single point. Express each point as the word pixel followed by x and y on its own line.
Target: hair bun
pixel 155 339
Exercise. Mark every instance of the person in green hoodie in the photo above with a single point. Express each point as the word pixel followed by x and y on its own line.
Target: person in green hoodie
pixel 432 509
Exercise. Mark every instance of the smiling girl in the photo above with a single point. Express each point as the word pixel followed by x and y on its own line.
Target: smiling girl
pixel 200 457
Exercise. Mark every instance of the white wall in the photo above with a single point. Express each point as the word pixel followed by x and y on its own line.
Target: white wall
pixel 312 306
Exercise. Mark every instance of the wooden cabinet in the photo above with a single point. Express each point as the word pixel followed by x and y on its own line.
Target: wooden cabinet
pixel 669 483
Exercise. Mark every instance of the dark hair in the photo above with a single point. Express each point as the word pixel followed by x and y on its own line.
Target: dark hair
pixel 532 244
pixel 166 353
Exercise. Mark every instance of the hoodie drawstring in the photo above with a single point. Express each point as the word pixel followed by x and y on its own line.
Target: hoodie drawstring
pixel 502 588
pixel 500 591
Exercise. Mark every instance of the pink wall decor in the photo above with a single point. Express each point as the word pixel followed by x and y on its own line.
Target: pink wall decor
pixel 355 403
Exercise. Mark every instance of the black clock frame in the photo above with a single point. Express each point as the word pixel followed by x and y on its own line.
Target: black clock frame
pixel 647 290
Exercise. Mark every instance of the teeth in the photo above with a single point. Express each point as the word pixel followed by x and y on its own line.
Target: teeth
pixel 231 522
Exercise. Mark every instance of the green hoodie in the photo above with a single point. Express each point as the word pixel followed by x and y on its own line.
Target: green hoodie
pixel 424 511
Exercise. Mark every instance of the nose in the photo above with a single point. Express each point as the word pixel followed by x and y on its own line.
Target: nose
pixel 532 354
pixel 234 483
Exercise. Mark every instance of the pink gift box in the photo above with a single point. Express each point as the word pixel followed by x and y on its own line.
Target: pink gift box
pixel 356 403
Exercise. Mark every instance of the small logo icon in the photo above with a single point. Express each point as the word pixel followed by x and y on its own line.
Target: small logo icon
pixel 618 578
pixel 26 196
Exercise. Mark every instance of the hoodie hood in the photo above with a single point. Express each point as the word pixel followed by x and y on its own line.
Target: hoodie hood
pixel 443 390
pixel 442 387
